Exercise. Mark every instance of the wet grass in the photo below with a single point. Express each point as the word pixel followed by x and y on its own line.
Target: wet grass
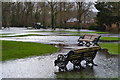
pixel 113 48
pixel 24 35
pixel 72 35
pixel 73 32
pixel 102 38
pixel 6 33
pixel 110 38
pixel 16 50
pixel 96 32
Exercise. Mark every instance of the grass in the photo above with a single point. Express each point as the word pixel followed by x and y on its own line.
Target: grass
pixel 73 32
pixel 16 50
pixel 96 32
pixel 113 48
pixel 72 35
pixel 110 38
pixel 25 35
pixel 102 38
pixel 6 33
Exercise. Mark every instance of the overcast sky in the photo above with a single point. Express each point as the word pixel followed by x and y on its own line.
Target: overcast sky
pixel 59 0
pixel 92 7
pixel 48 0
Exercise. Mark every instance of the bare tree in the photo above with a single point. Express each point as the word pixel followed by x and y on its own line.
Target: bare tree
pixel 53 7
pixel 49 13
pixel 82 8
pixel 0 15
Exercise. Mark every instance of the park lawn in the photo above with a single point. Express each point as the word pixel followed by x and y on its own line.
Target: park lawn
pixel 72 35
pixel 16 50
pixel 25 35
pixel 96 32
pixel 102 38
pixel 73 32
pixel 6 33
pixel 110 38
pixel 113 48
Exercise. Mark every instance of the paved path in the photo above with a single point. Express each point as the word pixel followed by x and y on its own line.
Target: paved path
pixel 43 66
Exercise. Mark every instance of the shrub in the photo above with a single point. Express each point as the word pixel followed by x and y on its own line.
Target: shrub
pixel 100 28
pixel 93 28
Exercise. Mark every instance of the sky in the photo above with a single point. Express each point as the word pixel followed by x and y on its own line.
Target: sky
pixel 47 0
pixel 92 7
pixel 60 0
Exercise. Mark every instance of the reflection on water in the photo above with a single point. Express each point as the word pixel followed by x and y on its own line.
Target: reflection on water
pixel 46 39
pixel 43 66
pixel 22 31
pixel 79 73
pixel 107 68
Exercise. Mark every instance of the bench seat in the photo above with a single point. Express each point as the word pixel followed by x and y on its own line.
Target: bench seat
pixel 86 39
pixel 75 56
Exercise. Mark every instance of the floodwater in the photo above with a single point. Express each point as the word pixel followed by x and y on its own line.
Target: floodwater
pixel 43 66
pixel 23 31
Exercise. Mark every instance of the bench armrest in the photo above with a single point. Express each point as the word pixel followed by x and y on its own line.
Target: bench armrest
pixel 96 40
pixel 81 37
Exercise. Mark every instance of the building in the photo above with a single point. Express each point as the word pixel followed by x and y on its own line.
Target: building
pixel 72 22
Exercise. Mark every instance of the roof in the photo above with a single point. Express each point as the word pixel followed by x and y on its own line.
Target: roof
pixel 72 20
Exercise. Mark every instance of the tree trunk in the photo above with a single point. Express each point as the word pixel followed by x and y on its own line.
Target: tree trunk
pixel 79 5
pixel 0 15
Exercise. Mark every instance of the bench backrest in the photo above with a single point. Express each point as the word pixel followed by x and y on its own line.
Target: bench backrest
pixel 87 36
pixel 91 37
pixel 79 54
pixel 89 51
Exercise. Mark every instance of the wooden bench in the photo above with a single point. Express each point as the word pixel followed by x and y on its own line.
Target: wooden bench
pixel 76 56
pixel 89 40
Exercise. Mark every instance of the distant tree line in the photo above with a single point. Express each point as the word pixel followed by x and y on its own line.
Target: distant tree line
pixel 50 14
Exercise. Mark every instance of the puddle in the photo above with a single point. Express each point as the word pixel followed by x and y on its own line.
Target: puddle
pixel 46 39
pixel 43 66
pixel 22 31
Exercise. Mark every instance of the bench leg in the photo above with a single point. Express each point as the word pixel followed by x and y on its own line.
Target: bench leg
pixel 76 64
pixel 87 44
pixel 63 69
pixel 93 64
pixel 95 43
pixel 80 43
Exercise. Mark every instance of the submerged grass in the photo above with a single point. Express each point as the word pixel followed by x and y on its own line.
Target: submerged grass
pixel 72 35
pixel 24 35
pixel 113 48
pixel 16 50
pixel 6 33
pixel 73 32
pixel 110 38
pixel 102 38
